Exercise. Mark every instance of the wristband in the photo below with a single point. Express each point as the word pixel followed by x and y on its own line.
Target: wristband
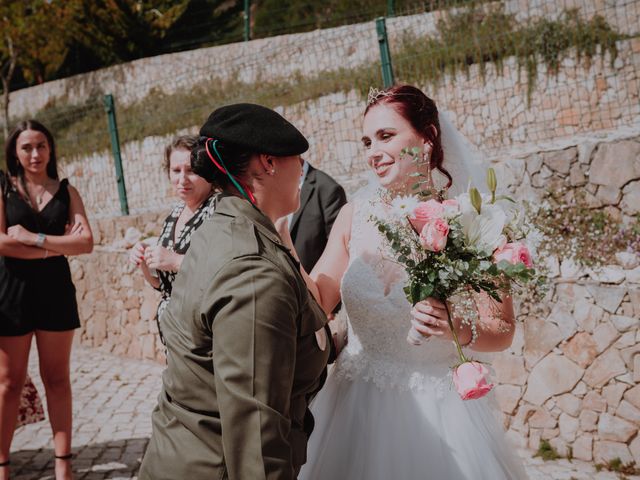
pixel 40 240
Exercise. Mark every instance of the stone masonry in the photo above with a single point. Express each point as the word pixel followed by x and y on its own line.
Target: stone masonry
pixel 572 374
pixel 492 111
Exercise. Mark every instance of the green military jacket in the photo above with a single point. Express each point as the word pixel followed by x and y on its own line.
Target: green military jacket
pixel 246 350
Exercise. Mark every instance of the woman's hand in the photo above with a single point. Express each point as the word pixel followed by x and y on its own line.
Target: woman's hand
pixel 136 254
pixel 22 235
pixel 73 229
pixel 160 258
pixel 430 319
pixel 338 329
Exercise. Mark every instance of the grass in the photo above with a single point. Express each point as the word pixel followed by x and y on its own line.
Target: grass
pixel 83 129
pixel 590 236
pixel 465 38
pixel 616 465
pixel 546 451
pixel 483 36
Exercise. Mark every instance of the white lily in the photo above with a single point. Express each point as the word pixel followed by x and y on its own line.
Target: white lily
pixel 484 230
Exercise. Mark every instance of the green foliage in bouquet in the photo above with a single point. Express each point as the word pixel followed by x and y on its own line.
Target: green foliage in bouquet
pixel 458 267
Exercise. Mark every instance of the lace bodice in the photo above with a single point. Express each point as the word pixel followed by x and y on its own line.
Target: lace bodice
pixel 379 318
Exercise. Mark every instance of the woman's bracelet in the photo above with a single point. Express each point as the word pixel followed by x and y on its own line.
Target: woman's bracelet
pixel 474 334
pixel 40 240
pixel 46 253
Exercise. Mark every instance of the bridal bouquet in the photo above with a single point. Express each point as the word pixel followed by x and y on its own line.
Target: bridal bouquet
pixel 455 248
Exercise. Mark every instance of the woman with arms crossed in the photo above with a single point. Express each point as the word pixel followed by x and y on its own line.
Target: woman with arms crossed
pixel 42 220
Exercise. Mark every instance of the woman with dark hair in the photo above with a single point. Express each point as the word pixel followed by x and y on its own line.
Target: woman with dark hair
pixel 387 409
pixel 196 204
pixel 247 345
pixel 42 220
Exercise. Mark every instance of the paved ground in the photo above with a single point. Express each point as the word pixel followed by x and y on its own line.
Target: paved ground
pixel 113 398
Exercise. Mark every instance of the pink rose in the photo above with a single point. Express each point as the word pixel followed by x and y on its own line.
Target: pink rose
pixel 514 253
pixel 470 380
pixel 433 236
pixel 424 212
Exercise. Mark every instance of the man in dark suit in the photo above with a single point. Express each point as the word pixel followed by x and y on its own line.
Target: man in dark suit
pixel 321 198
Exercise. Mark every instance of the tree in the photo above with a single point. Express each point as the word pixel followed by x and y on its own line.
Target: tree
pixel 273 17
pixel 8 56
pixel 123 30
pixel 35 37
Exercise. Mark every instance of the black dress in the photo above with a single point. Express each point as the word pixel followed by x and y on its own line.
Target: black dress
pixel 36 294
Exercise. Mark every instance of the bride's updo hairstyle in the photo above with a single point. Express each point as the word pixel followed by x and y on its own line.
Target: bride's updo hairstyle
pixel 421 113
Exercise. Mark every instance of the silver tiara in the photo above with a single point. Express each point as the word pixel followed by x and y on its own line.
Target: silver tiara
pixel 375 94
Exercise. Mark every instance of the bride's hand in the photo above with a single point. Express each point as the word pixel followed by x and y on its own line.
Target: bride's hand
pixel 430 319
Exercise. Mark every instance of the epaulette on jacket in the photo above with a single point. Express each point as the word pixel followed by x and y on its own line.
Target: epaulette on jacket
pixel 244 237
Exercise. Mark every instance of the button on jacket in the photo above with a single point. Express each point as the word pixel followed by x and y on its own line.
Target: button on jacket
pixel 246 351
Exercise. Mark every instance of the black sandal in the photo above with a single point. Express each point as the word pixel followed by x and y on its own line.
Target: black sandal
pixel 68 456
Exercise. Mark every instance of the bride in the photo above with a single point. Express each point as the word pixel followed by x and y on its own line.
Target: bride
pixel 388 410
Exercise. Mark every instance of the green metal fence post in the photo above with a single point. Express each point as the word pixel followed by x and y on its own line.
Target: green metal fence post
pixel 385 54
pixel 110 108
pixel 391 8
pixel 247 20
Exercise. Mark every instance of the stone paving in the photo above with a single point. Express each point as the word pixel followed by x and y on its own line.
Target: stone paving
pixel 113 398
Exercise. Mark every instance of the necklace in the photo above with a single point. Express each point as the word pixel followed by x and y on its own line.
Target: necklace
pixel 39 195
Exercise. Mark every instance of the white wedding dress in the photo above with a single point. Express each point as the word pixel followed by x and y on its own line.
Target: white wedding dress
pixel 388 410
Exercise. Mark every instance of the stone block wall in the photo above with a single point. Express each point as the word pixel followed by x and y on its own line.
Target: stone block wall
pixel 492 110
pixel 283 56
pixel 597 98
pixel 117 307
pixel 572 374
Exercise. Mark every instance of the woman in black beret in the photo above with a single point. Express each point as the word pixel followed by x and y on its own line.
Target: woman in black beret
pixel 247 344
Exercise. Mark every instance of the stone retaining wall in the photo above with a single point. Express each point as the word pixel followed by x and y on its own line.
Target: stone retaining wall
pixel 493 114
pixel 267 59
pixel 491 109
pixel 571 376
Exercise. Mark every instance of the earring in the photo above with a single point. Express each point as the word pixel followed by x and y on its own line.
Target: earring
pixel 273 171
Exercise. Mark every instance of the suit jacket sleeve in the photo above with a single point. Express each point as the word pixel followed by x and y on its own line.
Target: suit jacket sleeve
pixel 332 199
pixel 254 346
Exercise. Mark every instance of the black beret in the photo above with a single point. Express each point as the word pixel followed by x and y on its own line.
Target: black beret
pixel 256 128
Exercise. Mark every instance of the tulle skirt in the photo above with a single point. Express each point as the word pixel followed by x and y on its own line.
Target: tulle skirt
pixel 363 432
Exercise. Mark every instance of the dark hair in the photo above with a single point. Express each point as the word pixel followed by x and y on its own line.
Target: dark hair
pixel 183 142
pixel 11 156
pixel 236 160
pixel 421 112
